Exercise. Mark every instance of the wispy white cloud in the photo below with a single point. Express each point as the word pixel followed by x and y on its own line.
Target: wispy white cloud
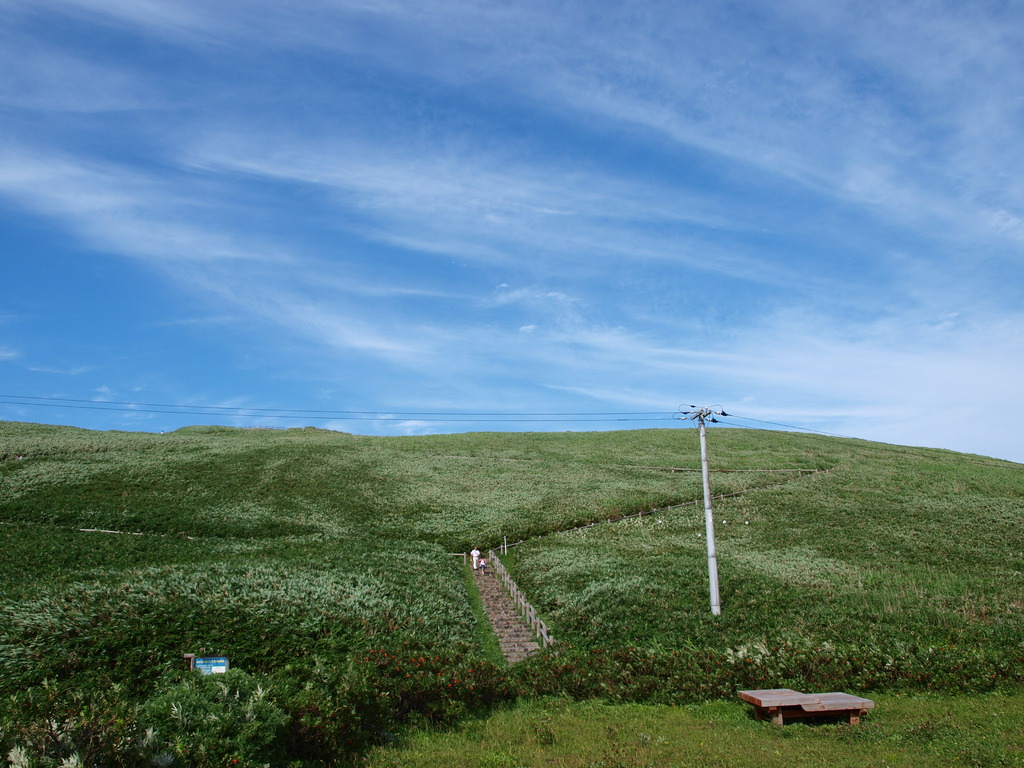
pixel 531 296
pixel 166 16
pixel 813 209
pixel 53 80
pixel 76 370
pixel 945 387
pixel 866 105
pixel 121 209
pixel 889 380
pixel 495 208
pixel 298 312
pixel 626 397
pixel 799 89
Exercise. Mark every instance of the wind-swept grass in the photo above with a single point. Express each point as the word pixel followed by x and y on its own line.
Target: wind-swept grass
pixel 893 565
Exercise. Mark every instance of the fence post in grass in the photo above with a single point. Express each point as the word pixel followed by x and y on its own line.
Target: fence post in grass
pixel 700 415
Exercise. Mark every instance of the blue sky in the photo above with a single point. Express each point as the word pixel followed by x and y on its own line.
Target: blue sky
pixel 810 213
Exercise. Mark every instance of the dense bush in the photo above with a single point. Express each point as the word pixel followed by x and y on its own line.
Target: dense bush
pixel 64 725
pixel 212 721
pixel 308 712
pixel 672 677
pixel 339 711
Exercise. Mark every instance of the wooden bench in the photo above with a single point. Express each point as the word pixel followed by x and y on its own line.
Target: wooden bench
pixel 780 704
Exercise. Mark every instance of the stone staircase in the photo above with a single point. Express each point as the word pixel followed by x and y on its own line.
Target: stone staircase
pixel 514 635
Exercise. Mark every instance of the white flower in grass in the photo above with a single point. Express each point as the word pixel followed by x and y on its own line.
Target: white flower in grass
pixel 18 758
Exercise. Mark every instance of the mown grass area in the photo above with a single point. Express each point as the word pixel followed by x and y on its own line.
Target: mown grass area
pixel 321 563
pixel 918 730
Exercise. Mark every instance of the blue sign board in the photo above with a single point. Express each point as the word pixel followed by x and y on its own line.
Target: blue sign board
pixel 211 665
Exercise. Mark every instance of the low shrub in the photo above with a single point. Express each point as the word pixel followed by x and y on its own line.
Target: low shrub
pixel 57 724
pixel 342 711
pixel 214 721
pixel 659 676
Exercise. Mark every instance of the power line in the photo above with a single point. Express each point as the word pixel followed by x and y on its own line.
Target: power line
pixel 332 412
pixel 436 417
pixel 328 415
pixel 872 445
pixel 790 426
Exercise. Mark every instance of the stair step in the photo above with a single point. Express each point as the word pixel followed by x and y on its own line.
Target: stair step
pixel 515 638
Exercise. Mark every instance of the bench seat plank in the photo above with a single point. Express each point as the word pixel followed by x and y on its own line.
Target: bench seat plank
pixel 777 697
pixel 780 703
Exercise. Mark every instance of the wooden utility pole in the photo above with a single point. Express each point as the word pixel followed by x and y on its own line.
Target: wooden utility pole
pixel 700 415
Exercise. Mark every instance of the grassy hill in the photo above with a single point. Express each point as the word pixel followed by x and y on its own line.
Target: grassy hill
pixel 321 563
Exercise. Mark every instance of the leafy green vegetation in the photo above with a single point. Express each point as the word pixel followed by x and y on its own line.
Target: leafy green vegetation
pixel 321 564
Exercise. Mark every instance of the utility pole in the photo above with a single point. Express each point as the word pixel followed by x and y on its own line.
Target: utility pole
pixel 700 415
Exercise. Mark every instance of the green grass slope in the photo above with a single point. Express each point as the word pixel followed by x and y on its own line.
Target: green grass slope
pixel 888 547
pixel 322 560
